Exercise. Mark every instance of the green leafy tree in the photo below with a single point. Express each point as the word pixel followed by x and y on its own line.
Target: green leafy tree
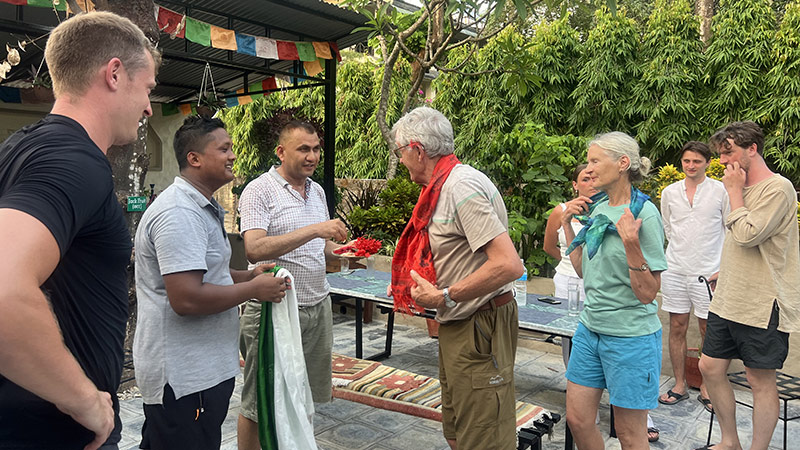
pixel 481 108
pixel 664 96
pixel 447 25
pixel 608 70
pixel 530 169
pixel 556 51
pixel 780 109
pixel 738 59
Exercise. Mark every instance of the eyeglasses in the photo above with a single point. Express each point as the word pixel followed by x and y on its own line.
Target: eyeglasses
pixel 398 152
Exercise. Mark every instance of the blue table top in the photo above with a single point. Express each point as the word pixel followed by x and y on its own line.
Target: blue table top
pixel 534 316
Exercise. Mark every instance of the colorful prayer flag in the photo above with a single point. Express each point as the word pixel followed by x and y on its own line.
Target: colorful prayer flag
pixel 168 109
pixel 171 23
pixel 313 68
pixel 269 83
pixel 246 44
pixel 266 48
pixel 255 87
pixel 230 102
pixel 85 5
pixel 287 51
pixel 61 6
pixel 198 32
pixel 243 99
pixel 305 51
pixel 223 39
pixel 336 50
pixel 322 49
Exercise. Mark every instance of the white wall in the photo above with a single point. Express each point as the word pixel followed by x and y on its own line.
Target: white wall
pixel 14 116
pixel 162 129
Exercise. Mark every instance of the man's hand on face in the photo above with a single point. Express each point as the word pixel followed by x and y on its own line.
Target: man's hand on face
pixel 425 293
pixel 734 177
pixel 332 229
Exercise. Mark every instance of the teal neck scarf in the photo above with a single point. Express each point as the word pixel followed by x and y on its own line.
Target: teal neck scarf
pixel 595 228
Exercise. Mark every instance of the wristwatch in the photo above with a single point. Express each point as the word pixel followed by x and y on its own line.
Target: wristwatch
pixel 449 302
pixel 643 268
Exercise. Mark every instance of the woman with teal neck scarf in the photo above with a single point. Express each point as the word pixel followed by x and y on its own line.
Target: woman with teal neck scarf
pixel 620 255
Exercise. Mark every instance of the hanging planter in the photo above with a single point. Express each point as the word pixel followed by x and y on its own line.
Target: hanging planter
pixel 208 103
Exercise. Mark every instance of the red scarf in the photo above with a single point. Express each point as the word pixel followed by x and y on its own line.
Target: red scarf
pixel 413 251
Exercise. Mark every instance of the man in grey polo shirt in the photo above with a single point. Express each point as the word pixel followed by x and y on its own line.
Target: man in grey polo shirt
pixel 185 349
pixel 285 220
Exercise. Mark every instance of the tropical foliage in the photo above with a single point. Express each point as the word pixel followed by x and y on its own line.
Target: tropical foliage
pixel 781 104
pixel 606 75
pixel 672 72
pixel 738 60
pixel 527 129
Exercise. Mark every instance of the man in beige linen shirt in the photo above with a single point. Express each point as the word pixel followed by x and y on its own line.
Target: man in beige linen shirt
pixel 757 301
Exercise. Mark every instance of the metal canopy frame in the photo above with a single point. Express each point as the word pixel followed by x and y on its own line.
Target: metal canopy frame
pixel 240 70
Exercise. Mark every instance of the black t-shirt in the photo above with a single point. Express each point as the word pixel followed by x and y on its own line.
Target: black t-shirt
pixel 65 183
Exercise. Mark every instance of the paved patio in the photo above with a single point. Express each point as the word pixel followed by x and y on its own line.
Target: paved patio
pixel 343 425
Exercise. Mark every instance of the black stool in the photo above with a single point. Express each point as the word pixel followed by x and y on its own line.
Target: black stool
pixel 788 389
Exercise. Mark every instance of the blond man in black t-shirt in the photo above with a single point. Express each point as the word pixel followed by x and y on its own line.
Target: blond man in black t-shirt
pixel 62 231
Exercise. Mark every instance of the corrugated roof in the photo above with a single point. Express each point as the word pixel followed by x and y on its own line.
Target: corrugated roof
pixel 296 20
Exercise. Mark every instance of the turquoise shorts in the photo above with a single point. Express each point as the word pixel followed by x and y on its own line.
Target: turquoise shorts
pixel 629 367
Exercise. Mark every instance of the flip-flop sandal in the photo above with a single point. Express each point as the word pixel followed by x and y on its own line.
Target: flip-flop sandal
pixel 653 430
pixel 706 403
pixel 706 447
pixel 670 395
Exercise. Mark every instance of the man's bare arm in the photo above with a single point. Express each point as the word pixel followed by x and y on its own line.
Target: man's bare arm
pixel 190 296
pixel 260 247
pixel 32 350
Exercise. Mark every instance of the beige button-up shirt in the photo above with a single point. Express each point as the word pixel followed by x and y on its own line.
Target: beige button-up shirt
pixel 761 258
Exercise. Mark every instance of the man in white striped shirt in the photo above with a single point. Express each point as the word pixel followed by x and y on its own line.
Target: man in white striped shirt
pixel 694 211
pixel 284 219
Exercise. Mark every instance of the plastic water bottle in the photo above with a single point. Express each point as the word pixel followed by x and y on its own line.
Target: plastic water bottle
pixel 521 287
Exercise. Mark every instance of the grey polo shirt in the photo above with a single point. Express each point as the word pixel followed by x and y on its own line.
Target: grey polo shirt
pixel 182 231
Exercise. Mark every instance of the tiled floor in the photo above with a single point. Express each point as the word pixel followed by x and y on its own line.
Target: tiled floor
pixel 539 377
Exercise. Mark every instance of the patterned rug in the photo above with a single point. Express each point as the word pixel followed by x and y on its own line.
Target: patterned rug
pixel 381 386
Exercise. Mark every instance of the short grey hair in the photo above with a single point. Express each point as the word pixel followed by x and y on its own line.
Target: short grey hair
pixel 427 126
pixel 618 144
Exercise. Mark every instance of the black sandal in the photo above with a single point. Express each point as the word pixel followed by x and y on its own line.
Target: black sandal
pixel 652 430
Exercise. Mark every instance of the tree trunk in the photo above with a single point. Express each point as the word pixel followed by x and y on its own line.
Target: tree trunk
pixel 705 9
pixel 129 163
pixel 432 46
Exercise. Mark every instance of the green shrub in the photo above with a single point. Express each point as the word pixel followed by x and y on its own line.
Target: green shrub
pixel 607 72
pixel 531 170
pixel 738 59
pixel 386 220
pixel 664 96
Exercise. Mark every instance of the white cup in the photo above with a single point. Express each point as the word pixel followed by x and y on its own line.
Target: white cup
pixel 344 265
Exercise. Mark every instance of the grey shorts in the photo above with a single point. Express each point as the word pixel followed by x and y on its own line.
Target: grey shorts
pixel 316 328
